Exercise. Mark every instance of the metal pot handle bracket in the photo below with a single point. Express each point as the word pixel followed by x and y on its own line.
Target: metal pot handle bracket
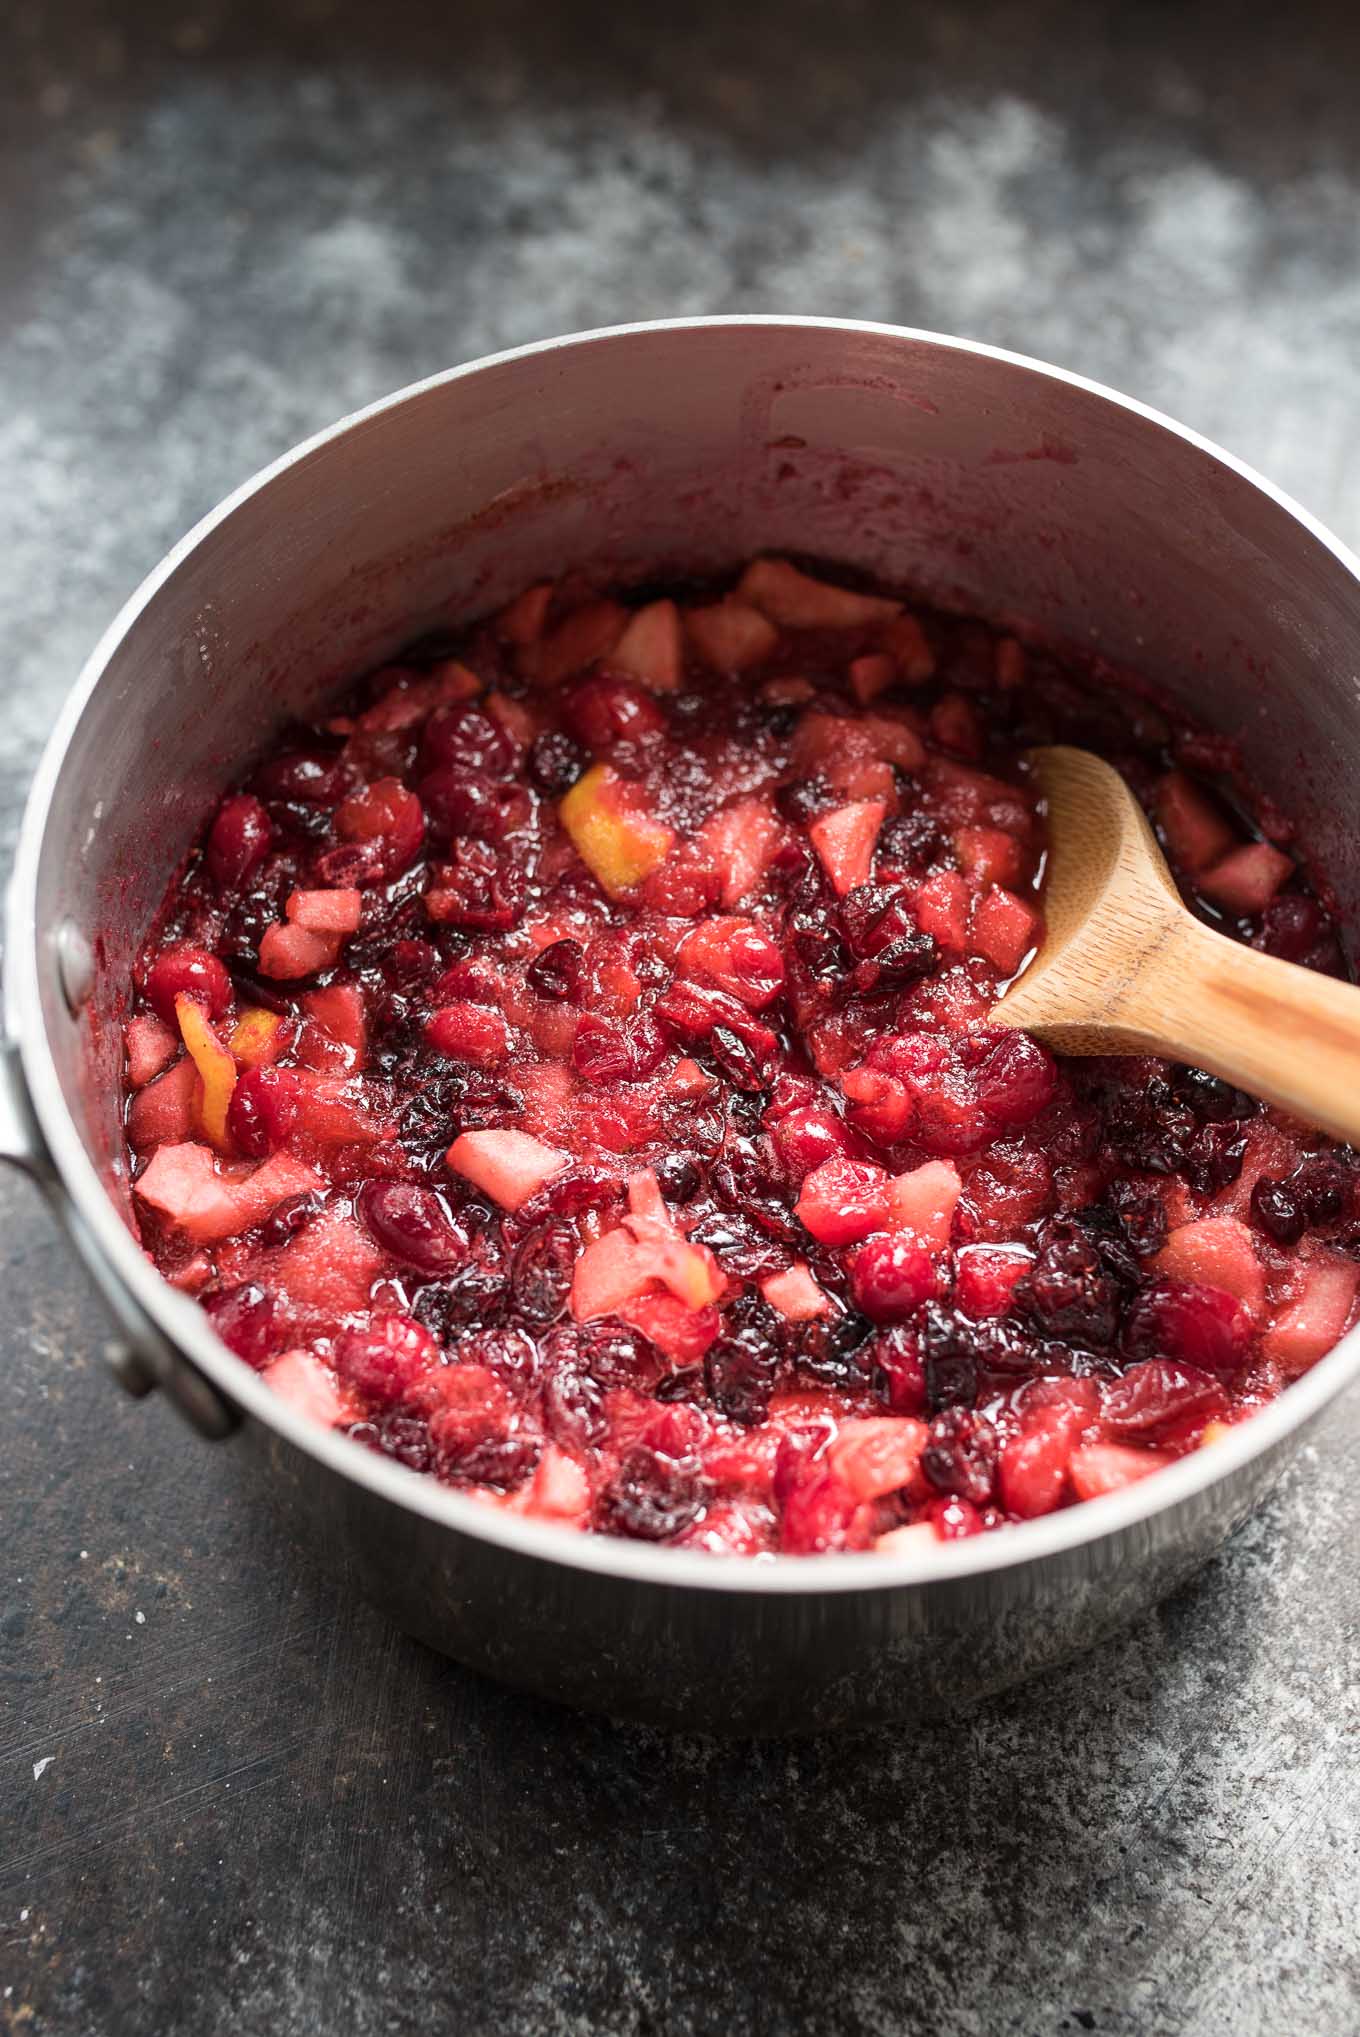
pixel 141 1356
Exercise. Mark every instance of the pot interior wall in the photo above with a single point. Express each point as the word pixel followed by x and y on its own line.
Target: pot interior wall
pixel 980 482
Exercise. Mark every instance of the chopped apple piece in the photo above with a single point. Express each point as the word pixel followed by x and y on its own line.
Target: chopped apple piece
pixel 1196 833
pixel 586 635
pixel 871 676
pixel 795 1294
pixel 941 910
pixel 309 1386
pixel 1217 1252
pixel 151 1046
pixel 522 620
pixel 1004 929
pixel 510 1166
pixel 560 1489
pixel 288 951
pixel 1308 1328
pixel 164 1112
pixel 618 842
pixel 1098 1468
pixel 844 840
pixel 1246 879
pixel 923 1202
pixel 878 1454
pixel 731 636
pixel 186 1184
pixel 326 912
pixel 796 601
pixel 741 841
pixel 651 649
pixel 905 642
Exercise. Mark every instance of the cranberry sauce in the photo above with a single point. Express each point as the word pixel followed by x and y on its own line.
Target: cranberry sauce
pixel 567 1070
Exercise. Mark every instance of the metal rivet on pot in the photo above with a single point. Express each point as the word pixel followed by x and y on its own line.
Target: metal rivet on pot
pixel 75 965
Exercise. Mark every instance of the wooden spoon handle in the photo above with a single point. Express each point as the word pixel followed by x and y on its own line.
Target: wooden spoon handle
pixel 1284 1033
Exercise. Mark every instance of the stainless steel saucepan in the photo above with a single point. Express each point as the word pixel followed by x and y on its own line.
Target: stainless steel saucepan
pixel 983 479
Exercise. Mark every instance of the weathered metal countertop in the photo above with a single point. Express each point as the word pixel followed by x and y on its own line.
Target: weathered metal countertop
pixel 231 1799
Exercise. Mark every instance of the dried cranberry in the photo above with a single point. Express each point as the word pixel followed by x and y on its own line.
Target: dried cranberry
pixel 897 1373
pixel 503 1461
pixel 510 1354
pixel 541 1271
pixel 1213 1157
pixel 1143 1215
pixel 740 1373
pixel 679 1176
pixel 651 1496
pixel 961 1455
pixel 1322 1187
pixel 1067 1289
pixel 555 762
pixel 604 1050
pixel 574 1410
pixel 1276 1209
pixel 612 1354
pixel 738 1056
pixel 1211 1098
pixel 287 1218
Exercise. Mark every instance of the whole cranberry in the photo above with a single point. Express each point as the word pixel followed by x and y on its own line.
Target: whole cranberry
pixel 601 712
pixel 187 972
pixel 239 841
pixel 891 1277
pixel 263 1111
pixel 897 1373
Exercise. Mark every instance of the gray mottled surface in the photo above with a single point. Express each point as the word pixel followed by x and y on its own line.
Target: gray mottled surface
pixel 230 1798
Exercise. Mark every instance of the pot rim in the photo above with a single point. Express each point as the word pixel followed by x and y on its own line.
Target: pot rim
pixel 187 1327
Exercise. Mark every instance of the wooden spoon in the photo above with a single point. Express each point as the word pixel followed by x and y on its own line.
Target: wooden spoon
pixel 1126 969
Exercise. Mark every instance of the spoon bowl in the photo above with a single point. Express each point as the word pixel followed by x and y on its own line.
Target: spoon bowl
pixel 1126 968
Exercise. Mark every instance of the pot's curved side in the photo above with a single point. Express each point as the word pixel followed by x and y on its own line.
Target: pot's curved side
pixel 984 480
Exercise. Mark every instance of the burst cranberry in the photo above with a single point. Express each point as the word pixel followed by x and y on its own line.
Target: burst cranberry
pixel 604 1051
pixel 386 1360
pixel 263 1113
pixel 891 1277
pixel 1156 1395
pixel 480 889
pixel 559 972
pixel 244 1318
pixel 844 1200
pixel 1017 1080
pixel 187 972
pixel 1033 1465
pixel 464 803
pixel 412 1224
pixel 239 841
pixel 461 738
pixel 469 1032
pixel 387 818
pixel 1193 1324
